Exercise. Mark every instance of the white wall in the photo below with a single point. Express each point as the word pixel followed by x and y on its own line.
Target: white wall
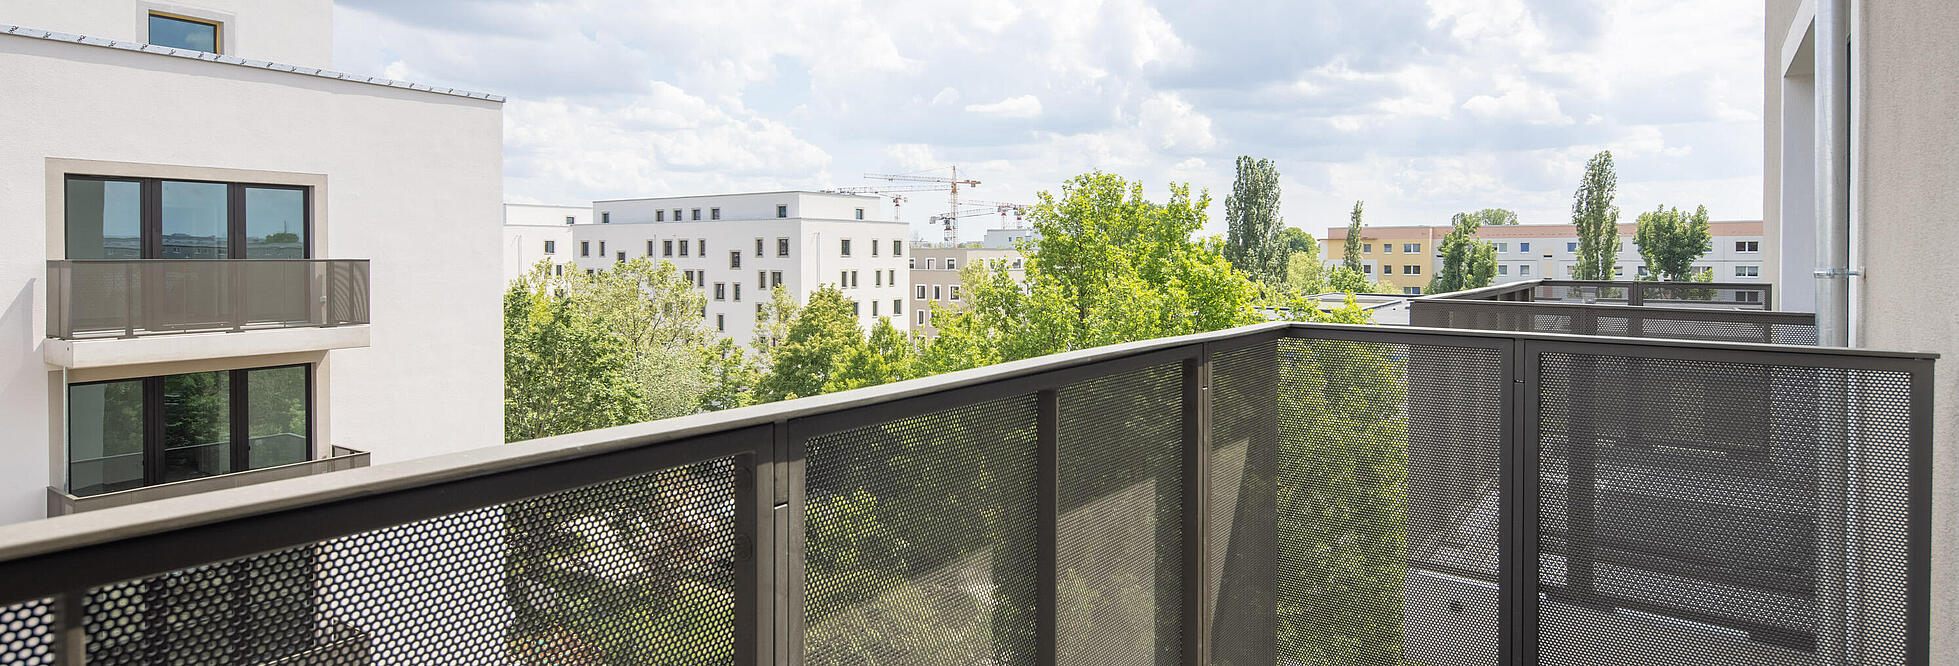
pixel 292 32
pixel 411 178
pixel 526 229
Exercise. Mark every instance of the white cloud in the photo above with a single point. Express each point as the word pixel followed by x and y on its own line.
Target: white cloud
pixel 1519 101
pixel 1173 125
pixel 1022 106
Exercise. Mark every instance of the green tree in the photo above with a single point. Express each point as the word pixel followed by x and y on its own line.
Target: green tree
pixel 1597 219
pixel 1253 240
pixel 1496 217
pixel 1671 241
pixel 563 371
pixel 1352 255
pixel 772 322
pixel 730 377
pixel 1297 240
pixel 1467 262
pixel 885 356
pixel 819 336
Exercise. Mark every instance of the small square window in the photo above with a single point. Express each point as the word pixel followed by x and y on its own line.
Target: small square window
pixel 781 210
pixel 951 263
pixel 845 247
pixel 550 247
pixel 1571 247
pixel 1502 247
pixel 1502 269
pixel 931 263
pixel 605 217
pixel 621 256
pixel 666 248
pixel 1387 248
pixel 659 216
pixel 1366 247
pixel 714 213
pixel 860 213
pixel 697 215
pixel 1523 269
pixel 1523 247
pixel 1387 269
pixel 571 219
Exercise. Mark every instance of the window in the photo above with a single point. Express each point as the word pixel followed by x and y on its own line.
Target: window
pixel 951 263
pixel 781 211
pixel 1570 247
pixel 782 247
pixel 1412 290
pixel 853 279
pixel 621 256
pixel 897 248
pixel 1523 269
pixel 877 278
pixel 130 433
pixel 762 280
pixel 1016 264
pixel 659 216
pixel 702 243
pixel 860 213
pixel 1642 271
pixel 558 269
pixel 721 322
pixel 1748 296
pixel 1748 271
pixel 683 247
pixel 1502 269
pixel 1387 248
pixel 921 292
pixel 1411 248
pixel 921 317
pixel 891 276
pixel 1502 247
pixel 1523 247
pixel 1411 269
pixel 183 32
pixel 734 259
pixel 720 291
pixel 1748 246
pixel 954 292
pixel 666 248
pixel 1367 269
pixel 1618 271
pixel 147 218
pixel 649 247
pixel 843 279
pixel 845 247
pixel 874 308
pixel 912 263
pixel 874 247
pixel 737 286
pixel 605 217
pixel 931 263
pixel 938 293
pixel 688 276
pixel 1570 269
pixel 697 215
pixel 550 247
pixel 676 215
pixel 898 306
pixel 1387 269
pixel 714 213
pixel 601 248
pixel 775 278
pixel 758 248
pixel 571 219
pixel 854 310
pixel 584 248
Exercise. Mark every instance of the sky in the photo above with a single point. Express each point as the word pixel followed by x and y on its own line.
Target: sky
pixel 1421 108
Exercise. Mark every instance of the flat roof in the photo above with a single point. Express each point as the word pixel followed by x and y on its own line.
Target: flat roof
pixel 738 194
pixel 49 35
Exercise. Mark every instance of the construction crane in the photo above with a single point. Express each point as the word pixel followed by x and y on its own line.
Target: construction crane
pixel 950 183
pixel 986 207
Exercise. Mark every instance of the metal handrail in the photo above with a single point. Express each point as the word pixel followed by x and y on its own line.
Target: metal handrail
pixel 91 298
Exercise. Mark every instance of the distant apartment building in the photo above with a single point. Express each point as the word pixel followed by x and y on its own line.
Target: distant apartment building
pixel 935 277
pixel 539 232
pixel 223 256
pixel 1006 237
pixel 1405 257
pixel 737 247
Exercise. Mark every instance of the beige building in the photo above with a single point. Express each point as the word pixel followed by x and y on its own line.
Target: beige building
pixel 1870 174
pixel 1405 257
pixel 935 278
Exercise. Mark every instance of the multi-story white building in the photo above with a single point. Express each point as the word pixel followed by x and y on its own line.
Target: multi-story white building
pixel 537 232
pixel 737 247
pixel 1407 256
pixel 194 207
pixel 935 277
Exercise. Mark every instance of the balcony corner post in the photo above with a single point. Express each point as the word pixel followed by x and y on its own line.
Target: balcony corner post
pixel 1048 527
pixel 1196 493
pixel 70 633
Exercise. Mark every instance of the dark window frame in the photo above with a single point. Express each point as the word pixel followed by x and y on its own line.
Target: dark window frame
pixel 239 428
pixel 150 212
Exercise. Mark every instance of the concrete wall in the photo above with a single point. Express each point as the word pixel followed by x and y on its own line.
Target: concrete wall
pixel 526 229
pixel 292 32
pixel 1906 161
pixel 410 179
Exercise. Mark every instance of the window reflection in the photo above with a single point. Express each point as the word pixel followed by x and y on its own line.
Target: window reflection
pixel 196 219
pixel 196 425
pixel 277 419
pixel 105 219
pixel 105 437
pixel 180 33
pixel 275 223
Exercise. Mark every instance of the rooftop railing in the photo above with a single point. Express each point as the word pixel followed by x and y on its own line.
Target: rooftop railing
pixel 106 298
pixel 1275 494
pixel 1725 312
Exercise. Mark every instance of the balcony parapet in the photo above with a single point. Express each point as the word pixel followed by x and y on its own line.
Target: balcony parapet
pixel 341 458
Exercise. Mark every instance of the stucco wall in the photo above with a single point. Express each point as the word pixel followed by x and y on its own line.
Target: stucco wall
pixel 1908 185
pixel 411 179
pixel 293 32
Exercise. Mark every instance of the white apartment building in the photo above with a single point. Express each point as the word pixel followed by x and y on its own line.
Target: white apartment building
pixel 935 277
pixel 1005 237
pixel 537 232
pixel 737 247
pixel 212 262
pixel 1407 256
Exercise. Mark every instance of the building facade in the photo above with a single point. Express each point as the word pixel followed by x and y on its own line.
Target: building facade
pixel 212 256
pixel 1855 187
pixel 1405 257
pixel 539 232
pixel 935 277
pixel 738 247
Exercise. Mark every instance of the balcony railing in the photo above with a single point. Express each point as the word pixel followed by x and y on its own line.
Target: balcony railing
pixel 1274 494
pixel 1712 311
pixel 339 458
pixel 91 298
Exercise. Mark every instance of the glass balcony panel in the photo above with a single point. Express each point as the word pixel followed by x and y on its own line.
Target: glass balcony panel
pixel 105 437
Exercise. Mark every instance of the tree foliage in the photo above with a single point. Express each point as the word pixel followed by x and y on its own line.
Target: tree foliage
pixel 808 357
pixel 1496 217
pixel 1597 219
pixel 1351 258
pixel 563 370
pixel 1671 241
pixel 1296 240
pixel 1254 242
pixel 1467 261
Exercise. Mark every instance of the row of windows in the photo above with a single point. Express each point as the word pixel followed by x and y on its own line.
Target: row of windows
pixel 951 264
pixel 849 279
pixel 687 248
pixel 1406 248
pixel 1388 269
pixel 939 292
pixel 1504 247
pixel 897 247
pixel 694 214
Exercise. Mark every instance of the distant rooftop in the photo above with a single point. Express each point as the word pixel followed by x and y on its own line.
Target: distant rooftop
pixel 49 35
pixel 739 194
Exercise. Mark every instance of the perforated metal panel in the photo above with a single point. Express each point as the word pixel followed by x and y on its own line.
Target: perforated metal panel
pixel 637 570
pixel 1387 500
pixel 921 539
pixel 1241 539
pixel 1119 535
pixel 1696 511
pixel 28 634
pixel 1752 326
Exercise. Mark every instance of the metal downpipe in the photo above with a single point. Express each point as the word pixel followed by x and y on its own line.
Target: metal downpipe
pixel 1833 172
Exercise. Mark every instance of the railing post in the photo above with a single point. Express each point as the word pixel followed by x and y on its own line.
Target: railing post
pixel 756 552
pixel 129 300
pixel 1048 528
pixel 71 637
pixel 1517 476
pixel 1196 493
pixel 235 277
pixel 790 574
